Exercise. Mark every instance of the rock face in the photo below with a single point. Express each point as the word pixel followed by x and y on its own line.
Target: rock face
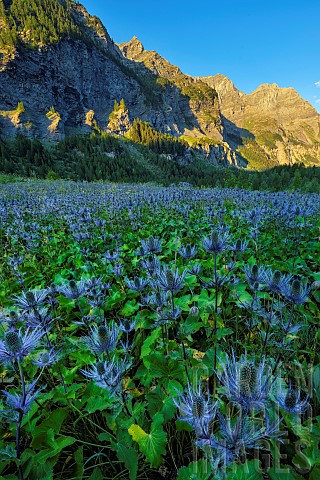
pixel 278 120
pixel 70 85
pixel 194 97
pixel 87 75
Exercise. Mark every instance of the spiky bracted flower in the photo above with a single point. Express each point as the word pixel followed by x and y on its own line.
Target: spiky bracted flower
pixel 15 260
pixel 188 251
pixel 239 246
pixel 290 401
pixel 167 316
pixel 111 256
pixel 31 300
pixel 19 402
pixel 74 290
pixel 39 318
pixel 127 325
pixel 11 318
pixel 107 375
pixel 169 280
pixel 196 409
pixel 151 265
pixel 137 284
pixel 16 345
pixel 216 243
pixel 276 281
pixel 255 275
pixel 297 293
pixel 47 358
pixel 151 245
pixel 103 339
pixel 195 269
pixel 237 435
pixel 158 299
pixel 245 383
pixel 117 269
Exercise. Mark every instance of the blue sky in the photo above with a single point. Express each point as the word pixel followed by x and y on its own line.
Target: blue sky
pixel 249 41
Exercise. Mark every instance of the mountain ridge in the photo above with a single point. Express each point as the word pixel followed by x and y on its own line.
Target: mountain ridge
pixel 66 80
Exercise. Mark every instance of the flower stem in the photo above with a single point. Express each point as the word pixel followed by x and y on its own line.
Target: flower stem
pixel 18 431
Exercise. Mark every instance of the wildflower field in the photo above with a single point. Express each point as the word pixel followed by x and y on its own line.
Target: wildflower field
pixel 158 333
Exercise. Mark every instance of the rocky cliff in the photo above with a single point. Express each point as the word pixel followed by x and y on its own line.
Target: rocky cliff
pixel 272 122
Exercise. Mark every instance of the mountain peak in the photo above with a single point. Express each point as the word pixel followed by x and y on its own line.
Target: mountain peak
pixel 221 79
pixel 222 84
pixel 133 48
pixel 267 86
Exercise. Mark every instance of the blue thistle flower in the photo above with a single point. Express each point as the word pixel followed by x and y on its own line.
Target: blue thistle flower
pixel 46 358
pixel 16 345
pixel 169 280
pixel 239 246
pixel 31 300
pixel 11 318
pixel 245 383
pixel 195 269
pixel 117 269
pixel 237 435
pixel 21 403
pixel 127 325
pixel 158 299
pixel 74 290
pixel 111 256
pixel 151 265
pixel 98 370
pixel 196 409
pixel 38 319
pixel 297 292
pixel 107 375
pixel 188 251
pixel 94 283
pixel 276 281
pixel 168 316
pixel 151 245
pixel 216 243
pixel 15 261
pixel 137 284
pixel 103 338
pixel 255 275
pixel 289 400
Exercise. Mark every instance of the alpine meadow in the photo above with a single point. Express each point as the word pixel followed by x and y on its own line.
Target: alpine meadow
pixel 159 263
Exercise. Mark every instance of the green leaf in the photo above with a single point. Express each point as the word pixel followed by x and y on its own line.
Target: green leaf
pixel 316 381
pixel 79 467
pixel 183 426
pixel 41 434
pixel 208 359
pixel 195 471
pixel 129 457
pixel 248 471
pixel 315 474
pixel 57 445
pixel 129 308
pixel 284 473
pixel 223 332
pixel 152 444
pixel 98 403
pixel 96 474
pixel 159 402
pixel 146 348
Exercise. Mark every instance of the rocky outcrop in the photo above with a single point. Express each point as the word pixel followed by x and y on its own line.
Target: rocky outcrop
pixel 284 125
pixel 119 121
pixel 199 101
pixel 222 154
